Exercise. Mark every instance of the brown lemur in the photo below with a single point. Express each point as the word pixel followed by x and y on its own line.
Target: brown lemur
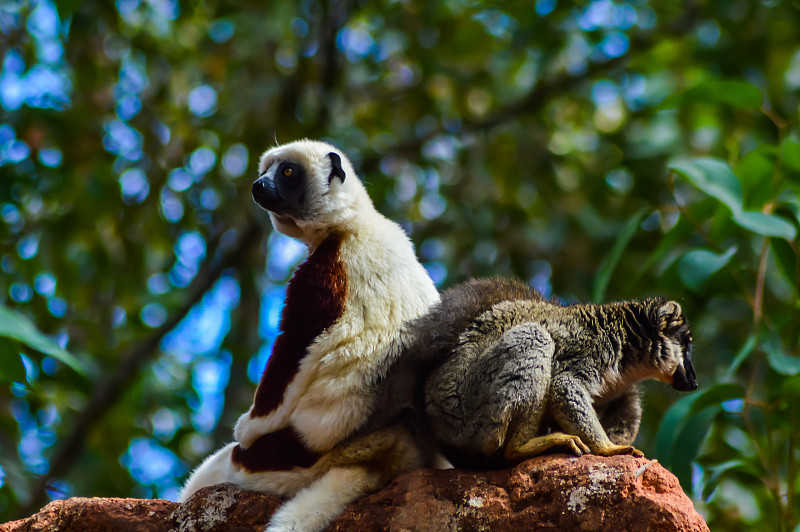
pixel 502 373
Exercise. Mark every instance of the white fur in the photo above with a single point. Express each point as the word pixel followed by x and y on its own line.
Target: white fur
pixel 330 396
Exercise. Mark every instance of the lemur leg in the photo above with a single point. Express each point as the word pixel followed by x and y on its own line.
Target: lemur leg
pixel 573 409
pixel 493 399
pixel 621 417
pixel 314 507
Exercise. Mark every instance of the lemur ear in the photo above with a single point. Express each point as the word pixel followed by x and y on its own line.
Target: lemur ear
pixel 669 316
pixel 336 167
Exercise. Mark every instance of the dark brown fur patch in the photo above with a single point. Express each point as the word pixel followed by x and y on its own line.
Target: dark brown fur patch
pixel 281 450
pixel 315 300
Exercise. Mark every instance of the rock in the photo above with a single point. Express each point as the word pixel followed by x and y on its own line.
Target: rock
pixel 548 493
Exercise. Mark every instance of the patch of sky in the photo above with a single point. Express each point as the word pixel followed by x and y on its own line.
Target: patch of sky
pixel 58 489
pixel 151 464
pixel 708 33
pixel 634 91
pixel 576 55
pixel 201 161
pixel 442 148
pixel 269 314
pixel 57 307
pixel 544 7
pixel 620 180
pixel 356 42
pixel 50 365
pixel 12 149
pixel 432 205
pixel 28 246
pixel 614 44
pixel 158 284
pixel 539 275
pixel 202 101
pixel 209 199
pixel 432 249
pixel 607 14
pixel 207 324
pixel 153 315
pixel 257 363
pixel 134 185
pixel 179 179
pixel 209 378
pixel 497 23
pixel 121 139
pixel 604 92
pixel 50 157
pixel 437 272
pixel 235 159
pixel 221 30
pixel 45 284
pixel 171 206
pixel 284 254
pixel 165 423
pixel 20 292
pixel 190 250
pixel 37 434
pixel 31 369
pixel 2 476
pixel 43 86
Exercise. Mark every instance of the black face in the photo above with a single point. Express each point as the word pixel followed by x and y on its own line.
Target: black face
pixel 684 379
pixel 285 194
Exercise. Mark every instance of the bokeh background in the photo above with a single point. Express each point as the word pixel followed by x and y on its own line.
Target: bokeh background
pixel 600 150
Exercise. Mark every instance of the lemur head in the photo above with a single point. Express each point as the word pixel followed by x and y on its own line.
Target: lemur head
pixel 672 351
pixel 309 188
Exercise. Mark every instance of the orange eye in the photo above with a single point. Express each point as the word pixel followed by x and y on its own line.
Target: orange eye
pixel 287 172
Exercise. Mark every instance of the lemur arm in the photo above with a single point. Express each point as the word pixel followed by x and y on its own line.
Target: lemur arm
pixel 573 409
pixel 621 417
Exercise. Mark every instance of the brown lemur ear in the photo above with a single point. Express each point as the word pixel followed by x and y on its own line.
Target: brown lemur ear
pixel 336 167
pixel 669 316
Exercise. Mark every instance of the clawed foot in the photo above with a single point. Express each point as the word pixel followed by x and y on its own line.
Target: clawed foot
pixel 541 444
pixel 620 449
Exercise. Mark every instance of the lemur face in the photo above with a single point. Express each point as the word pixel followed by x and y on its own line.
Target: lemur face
pixel 675 358
pixel 304 187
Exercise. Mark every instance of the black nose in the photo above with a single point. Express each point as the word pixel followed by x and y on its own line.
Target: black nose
pixel 265 193
pixel 684 381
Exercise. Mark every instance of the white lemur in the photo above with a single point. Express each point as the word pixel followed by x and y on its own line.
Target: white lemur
pixel 342 326
pixel 502 374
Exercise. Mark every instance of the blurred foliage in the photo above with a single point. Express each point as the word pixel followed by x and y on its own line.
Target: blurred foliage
pixel 601 150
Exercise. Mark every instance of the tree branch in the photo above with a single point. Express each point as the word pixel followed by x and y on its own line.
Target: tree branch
pixel 109 390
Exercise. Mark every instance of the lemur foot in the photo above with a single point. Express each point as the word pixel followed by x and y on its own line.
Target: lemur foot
pixel 542 443
pixel 619 449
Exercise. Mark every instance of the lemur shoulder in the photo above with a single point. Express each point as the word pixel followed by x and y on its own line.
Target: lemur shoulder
pixel 342 326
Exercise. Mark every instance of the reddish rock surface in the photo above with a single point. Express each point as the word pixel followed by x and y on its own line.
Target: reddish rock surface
pixel 549 493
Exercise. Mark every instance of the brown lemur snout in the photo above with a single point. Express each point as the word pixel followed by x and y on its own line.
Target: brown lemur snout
pixel 510 374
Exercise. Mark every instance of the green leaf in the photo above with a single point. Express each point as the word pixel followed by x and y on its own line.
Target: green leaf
pixel 610 262
pixel 741 356
pixel 790 152
pixel 779 360
pixel 766 224
pixel 725 92
pixel 748 466
pixel 17 327
pixel 786 258
pixel 699 264
pixel 687 444
pixel 712 176
pixel 682 410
